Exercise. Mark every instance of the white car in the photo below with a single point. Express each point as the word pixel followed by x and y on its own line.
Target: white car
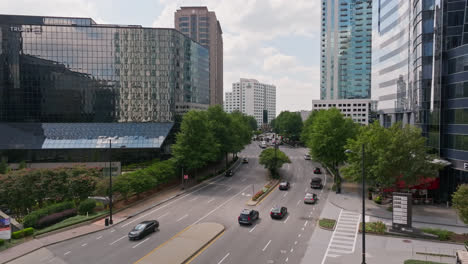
pixel 307 157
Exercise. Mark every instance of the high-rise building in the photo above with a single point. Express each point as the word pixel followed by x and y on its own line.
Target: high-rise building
pixel 418 76
pixel 252 98
pixel 70 83
pixel 346 28
pixel 359 110
pixel 203 26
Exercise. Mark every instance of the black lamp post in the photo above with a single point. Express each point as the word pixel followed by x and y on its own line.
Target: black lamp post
pixel 363 207
pixel 110 182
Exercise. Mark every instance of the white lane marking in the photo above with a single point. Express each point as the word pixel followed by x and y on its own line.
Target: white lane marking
pixel 286 219
pixel 298 202
pixel 306 222
pixel 223 258
pixel 252 229
pixel 302 229
pixel 84 245
pixel 287 259
pixel 113 230
pixel 292 249
pixel 66 253
pixel 166 205
pixel 163 215
pixel 266 245
pixel 285 194
pixel 117 240
pixel 140 243
pixel 295 242
pixel 230 188
pixel 243 180
pixel 219 206
pixel 329 243
pixel 182 218
pixel 99 237
pixel 299 235
pixel 212 199
pixel 193 199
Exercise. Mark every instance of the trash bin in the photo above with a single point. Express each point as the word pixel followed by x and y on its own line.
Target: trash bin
pixel 106 222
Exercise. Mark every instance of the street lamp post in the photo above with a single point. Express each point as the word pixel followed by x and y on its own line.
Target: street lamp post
pixel 363 206
pixel 110 182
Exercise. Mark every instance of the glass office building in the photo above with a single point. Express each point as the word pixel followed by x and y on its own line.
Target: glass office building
pixel 75 71
pixel 345 49
pixel 418 50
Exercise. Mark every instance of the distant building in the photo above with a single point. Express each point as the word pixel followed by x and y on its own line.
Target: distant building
pixel 69 85
pixel 358 110
pixel 345 49
pixel 202 26
pixel 252 98
pixel 304 114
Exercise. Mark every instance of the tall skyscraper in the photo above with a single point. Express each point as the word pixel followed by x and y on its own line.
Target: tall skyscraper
pixel 252 98
pixel 419 77
pixel 345 49
pixel 203 26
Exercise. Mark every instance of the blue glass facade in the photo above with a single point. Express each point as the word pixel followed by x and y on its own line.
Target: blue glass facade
pixel 345 49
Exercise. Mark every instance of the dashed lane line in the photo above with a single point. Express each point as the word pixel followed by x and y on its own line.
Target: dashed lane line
pixel 110 244
pixel 182 217
pixel 266 245
pixel 140 243
pixel 224 258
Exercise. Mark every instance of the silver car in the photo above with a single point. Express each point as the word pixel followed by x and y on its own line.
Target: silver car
pixel 310 198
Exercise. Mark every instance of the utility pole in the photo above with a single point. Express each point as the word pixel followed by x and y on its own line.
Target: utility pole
pixel 110 182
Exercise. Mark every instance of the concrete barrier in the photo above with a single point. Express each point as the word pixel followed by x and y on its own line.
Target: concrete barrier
pixel 183 246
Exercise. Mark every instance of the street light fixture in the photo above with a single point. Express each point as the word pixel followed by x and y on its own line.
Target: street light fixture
pixel 363 206
pixel 110 180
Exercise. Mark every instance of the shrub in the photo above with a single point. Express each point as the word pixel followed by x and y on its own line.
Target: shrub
pixel 31 219
pixel 87 206
pixel 443 235
pixel 327 223
pixel 28 231
pixel 257 195
pixel 18 234
pixel 55 218
pixel 374 227
pixel 378 199
pixel 334 187
pixel 2 242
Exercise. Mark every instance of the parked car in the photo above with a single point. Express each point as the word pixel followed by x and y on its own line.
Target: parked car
pixel 142 229
pixel 307 157
pixel 228 173
pixel 263 144
pixel 284 185
pixel 310 198
pixel 317 170
pixel 247 216
pixel 316 183
pixel 278 212
pixel 245 160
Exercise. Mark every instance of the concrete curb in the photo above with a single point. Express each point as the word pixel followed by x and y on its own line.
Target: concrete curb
pixel 264 195
pixel 128 217
pixel 415 238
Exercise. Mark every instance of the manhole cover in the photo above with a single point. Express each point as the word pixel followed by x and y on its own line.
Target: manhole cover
pixel 407 241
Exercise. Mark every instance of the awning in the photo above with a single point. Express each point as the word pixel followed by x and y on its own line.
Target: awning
pixel 83 135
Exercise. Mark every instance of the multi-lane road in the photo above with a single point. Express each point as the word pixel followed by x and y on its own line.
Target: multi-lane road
pixel 220 200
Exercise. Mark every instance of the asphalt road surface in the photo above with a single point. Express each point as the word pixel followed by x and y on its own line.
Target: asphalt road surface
pixel 220 200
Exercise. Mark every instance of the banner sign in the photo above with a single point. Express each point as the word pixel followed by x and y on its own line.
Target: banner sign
pixel 402 213
pixel 5 228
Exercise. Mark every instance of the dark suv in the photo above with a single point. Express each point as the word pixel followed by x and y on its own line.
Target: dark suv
pixel 247 216
pixel 316 183
pixel 278 212
pixel 284 185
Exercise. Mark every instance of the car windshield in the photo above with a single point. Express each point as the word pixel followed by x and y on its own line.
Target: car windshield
pixel 276 209
pixel 244 216
pixel 283 183
pixel 316 180
pixel 139 227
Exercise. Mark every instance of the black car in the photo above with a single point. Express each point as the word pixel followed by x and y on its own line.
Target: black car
pixel 143 229
pixel 317 171
pixel 278 212
pixel 247 217
pixel 228 173
pixel 284 185
pixel 316 183
pixel 245 160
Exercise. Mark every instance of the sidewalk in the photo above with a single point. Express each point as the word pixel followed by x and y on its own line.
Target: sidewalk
pixel 423 215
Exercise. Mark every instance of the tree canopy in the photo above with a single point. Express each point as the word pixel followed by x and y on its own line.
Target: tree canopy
pixel 288 124
pixel 273 162
pixel 391 155
pixel 460 202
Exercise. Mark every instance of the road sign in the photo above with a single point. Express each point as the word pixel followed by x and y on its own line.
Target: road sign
pixel 5 228
pixel 402 210
pixel 185 177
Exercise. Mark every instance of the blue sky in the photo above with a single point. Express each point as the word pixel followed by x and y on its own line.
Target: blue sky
pixel 273 41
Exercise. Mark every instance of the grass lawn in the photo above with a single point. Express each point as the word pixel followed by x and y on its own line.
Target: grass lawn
pixel 327 223
pixel 413 261
pixel 69 221
pixel 14 242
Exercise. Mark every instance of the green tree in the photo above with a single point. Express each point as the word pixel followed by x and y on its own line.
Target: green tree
pixel 220 124
pixel 391 155
pixel 22 165
pixel 195 143
pixel 3 166
pixel 330 132
pixel 308 126
pixel 460 202
pixel 121 185
pixel 242 134
pixel 252 123
pixel 288 124
pixel 273 161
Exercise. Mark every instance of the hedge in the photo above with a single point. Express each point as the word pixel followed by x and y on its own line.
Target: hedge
pixel 28 231
pixel 87 206
pixel 443 235
pixel 55 218
pixel 31 219
pixel 22 233
pixel 2 242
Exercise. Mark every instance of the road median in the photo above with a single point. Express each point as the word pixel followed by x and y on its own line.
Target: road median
pixel 184 246
pixel 267 189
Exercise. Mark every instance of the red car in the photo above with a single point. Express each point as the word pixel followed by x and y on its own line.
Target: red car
pixel 317 171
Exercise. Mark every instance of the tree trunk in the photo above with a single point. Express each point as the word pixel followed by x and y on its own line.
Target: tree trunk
pixel 226 160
